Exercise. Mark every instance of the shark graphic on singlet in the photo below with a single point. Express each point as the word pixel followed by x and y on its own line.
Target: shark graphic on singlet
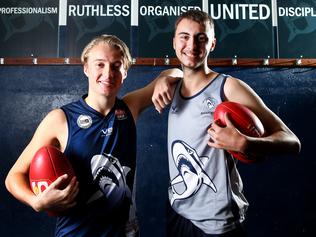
pixel 111 177
pixel 205 186
pixel 191 172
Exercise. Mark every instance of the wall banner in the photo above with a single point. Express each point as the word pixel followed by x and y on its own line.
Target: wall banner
pixel 245 28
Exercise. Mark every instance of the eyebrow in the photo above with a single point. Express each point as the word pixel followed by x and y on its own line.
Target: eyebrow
pixel 197 35
pixel 183 33
pixel 202 33
pixel 104 60
pixel 98 60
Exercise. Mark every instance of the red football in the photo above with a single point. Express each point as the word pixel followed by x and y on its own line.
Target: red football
pixel 47 165
pixel 244 120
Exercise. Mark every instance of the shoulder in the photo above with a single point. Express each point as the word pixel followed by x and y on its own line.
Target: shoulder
pixel 232 82
pixel 57 115
pixel 54 122
pixel 236 89
pixel 52 130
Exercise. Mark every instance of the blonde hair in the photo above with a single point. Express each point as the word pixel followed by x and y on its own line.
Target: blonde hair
pixel 112 41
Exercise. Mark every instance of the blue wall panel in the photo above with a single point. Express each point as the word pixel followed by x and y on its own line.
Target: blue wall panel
pixel 281 191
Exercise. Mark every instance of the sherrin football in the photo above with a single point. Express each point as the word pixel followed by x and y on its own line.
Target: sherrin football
pixel 47 165
pixel 244 120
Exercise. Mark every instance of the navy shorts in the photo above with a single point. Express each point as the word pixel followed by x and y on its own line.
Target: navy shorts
pixel 178 226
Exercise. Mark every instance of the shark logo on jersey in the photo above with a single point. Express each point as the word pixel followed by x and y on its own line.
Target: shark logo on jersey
pixel 209 105
pixel 191 172
pixel 111 178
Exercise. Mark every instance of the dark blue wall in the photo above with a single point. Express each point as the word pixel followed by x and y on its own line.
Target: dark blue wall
pixel 281 191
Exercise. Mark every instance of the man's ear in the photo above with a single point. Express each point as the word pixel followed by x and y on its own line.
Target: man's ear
pixel 124 75
pixel 213 44
pixel 85 69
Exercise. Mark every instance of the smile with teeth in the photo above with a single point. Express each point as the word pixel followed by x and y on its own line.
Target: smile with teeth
pixel 105 82
pixel 192 55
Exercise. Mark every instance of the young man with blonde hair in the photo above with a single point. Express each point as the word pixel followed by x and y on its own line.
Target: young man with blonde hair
pixel 98 135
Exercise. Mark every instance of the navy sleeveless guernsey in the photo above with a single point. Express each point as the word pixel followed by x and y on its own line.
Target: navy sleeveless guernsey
pixel 205 186
pixel 102 151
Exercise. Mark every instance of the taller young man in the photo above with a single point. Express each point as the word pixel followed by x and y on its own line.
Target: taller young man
pixel 205 192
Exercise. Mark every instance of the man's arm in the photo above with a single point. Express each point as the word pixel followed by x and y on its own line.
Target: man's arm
pixel 161 88
pixel 278 138
pixel 51 131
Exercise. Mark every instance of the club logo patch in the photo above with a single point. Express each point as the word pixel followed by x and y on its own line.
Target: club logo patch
pixel 209 105
pixel 84 121
pixel 120 114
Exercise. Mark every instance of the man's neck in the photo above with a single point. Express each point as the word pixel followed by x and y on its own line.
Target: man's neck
pixel 194 80
pixel 102 104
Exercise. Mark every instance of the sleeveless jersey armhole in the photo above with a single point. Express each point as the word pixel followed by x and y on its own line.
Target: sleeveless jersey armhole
pixel 177 87
pixel 68 129
pixel 223 96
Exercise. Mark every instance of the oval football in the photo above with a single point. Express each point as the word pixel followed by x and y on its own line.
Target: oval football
pixel 47 165
pixel 243 118
pixel 245 121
